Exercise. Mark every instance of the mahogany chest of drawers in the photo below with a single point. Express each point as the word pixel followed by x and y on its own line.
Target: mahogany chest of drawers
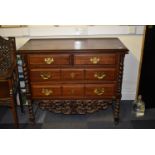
pixel 74 76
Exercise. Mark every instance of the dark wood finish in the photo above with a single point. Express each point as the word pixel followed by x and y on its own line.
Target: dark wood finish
pixel 63 59
pixel 63 45
pixel 74 106
pixel 72 74
pixel 73 90
pixel 100 74
pixel 49 91
pixel 42 75
pixel 100 90
pixel 87 74
pixel 9 82
pixel 4 86
pixel 95 59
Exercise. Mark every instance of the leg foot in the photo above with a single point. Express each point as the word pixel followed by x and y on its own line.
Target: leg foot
pixel 14 113
pixel 116 121
pixel 116 111
pixel 31 113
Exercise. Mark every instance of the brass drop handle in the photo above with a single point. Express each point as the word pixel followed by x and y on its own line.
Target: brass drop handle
pixel 47 92
pixel 49 60
pixel 99 91
pixel 94 60
pixel 45 76
pixel 100 75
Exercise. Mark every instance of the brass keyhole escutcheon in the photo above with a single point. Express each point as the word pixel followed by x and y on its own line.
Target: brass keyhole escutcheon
pixel 72 75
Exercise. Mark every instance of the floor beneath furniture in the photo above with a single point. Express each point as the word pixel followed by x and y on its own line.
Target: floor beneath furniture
pixel 99 120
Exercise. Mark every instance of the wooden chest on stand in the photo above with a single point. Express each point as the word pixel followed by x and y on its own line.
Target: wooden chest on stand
pixel 73 76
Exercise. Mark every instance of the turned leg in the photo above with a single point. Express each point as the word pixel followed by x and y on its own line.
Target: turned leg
pixel 20 99
pixel 14 111
pixel 116 111
pixel 31 113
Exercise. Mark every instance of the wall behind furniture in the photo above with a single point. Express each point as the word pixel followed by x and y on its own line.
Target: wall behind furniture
pixel 131 36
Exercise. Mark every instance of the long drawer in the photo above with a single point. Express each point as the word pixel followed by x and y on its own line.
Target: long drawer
pixel 69 74
pixel 74 90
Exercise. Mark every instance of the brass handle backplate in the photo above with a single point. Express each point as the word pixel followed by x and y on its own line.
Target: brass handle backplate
pixel 47 92
pixel 99 91
pixel 45 76
pixel 49 60
pixel 94 60
pixel 100 75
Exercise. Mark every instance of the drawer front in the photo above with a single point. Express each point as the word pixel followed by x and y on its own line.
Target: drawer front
pixel 46 91
pixel 100 90
pixel 73 90
pixel 49 59
pixel 100 74
pixel 94 59
pixel 72 74
pixel 40 75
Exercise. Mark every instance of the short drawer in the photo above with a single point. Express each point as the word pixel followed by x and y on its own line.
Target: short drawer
pixel 49 59
pixel 100 90
pixel 40 75
pixel 94 59
pixel 72 74
pixel 46 90
pixel 100 74
pixel 76 90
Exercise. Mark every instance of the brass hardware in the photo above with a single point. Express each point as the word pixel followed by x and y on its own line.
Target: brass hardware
pixel 72 75
pixel 47 92
pixel 45 76
pixel 99 91
pixel 49 60
pixel 94 60
pixel 100 75
pixel 11 91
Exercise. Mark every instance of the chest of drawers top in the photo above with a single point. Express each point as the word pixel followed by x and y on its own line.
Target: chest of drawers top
pixel 70 45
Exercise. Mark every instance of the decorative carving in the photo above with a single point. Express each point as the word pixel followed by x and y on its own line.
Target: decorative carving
pixel 120 75
pixel 119 88
pixel 27 87
pixel 6 54
pixel 116 111
pixel 74 106
pixel 8 73
pixel 25 73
